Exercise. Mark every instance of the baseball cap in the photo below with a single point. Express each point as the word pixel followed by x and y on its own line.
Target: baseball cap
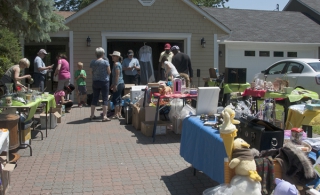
pixel 175 47
pixel 167 46
pixel 130 52
pixel 43 51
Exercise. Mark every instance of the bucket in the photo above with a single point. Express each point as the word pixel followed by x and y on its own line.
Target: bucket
pixel 10 121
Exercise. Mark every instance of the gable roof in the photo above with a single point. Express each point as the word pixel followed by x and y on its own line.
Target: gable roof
pixel 65 14
pixel 266 26
pixel 313 5
pixel 188 2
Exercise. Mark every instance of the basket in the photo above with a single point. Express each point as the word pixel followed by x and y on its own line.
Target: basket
pixel 229 173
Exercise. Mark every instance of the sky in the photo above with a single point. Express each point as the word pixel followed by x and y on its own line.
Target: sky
pixel 257 4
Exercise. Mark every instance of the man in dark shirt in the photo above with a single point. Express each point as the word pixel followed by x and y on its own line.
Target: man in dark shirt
pixel 182 63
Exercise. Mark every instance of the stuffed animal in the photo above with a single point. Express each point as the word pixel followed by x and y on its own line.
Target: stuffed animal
pixel 284 188
pixel 228 130
pixel 242 160
pixel 245 186
pixel 165 90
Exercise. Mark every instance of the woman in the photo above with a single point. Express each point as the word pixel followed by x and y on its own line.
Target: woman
pixel 62 71
pixel 117 84
pixel 170 69
pixel 59 96
pixel 100 77
pixel 12 75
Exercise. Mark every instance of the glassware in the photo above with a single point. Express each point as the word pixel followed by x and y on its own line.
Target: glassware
pixel 9 88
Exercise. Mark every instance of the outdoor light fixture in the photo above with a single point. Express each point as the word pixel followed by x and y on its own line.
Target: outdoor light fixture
pixel 203 42
pixel 88 42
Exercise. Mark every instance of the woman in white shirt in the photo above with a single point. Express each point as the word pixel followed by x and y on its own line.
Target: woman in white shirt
pixel 170 69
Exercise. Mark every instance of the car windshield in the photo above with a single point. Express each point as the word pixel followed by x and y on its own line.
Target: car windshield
pixel 315 66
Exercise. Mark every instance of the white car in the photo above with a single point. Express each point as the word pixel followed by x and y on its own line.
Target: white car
pixel 300 72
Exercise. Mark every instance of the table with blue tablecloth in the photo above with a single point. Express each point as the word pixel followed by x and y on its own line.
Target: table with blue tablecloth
pixel 203 147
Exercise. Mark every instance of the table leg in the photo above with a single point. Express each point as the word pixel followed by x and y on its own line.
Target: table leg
pixel 47 119
pixel 308 130
pixel 156 120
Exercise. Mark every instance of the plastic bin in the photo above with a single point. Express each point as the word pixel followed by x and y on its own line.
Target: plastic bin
pixel 222 189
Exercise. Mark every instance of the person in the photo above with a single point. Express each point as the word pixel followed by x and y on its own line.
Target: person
pixel 40 70
pixel 80 76
pixel 12 75
pixel 131 66
pixel 59 96
pixel 182 63
pixel 62 71
pixel 170 69
pixel 117 84
pixel 168 54
pixel 100 77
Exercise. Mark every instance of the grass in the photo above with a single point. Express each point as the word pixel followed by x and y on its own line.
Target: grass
pixel 279 111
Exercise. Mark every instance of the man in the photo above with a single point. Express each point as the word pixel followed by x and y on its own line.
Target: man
pixel 40 70
pixel 168 54
pixel 182 63
pixel 131 67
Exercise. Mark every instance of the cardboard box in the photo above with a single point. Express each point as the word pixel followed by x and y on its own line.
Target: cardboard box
pixel 59 110
pixel 138 116
pixel 150 113
pixel 127 88
pixel 5 174
pixel 54 117
pixel 161 129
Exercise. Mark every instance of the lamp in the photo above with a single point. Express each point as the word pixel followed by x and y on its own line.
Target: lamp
pixel 88 42
pixel 203 42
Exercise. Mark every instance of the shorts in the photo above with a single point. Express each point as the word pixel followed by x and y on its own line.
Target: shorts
pixel 82 90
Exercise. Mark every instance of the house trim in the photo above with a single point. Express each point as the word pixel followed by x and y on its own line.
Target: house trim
pixel 267 43
pixel 186 37
pixel 302 3
pixel 188 2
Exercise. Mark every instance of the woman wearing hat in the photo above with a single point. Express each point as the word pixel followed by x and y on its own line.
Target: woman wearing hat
pixel 117 84
pixel 100 77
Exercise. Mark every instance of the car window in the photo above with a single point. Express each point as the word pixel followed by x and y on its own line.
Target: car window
pixel 277 68
pixel 315 66
pixel 294 67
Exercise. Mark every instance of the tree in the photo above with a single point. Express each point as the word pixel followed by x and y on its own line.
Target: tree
pixel 72 5
pixel 10 50
pixel 210 3
pixel 32 20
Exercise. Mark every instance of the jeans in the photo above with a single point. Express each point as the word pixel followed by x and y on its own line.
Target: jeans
pixel 39 80
pixel 97 87
pixel 132 79
pixel 116 96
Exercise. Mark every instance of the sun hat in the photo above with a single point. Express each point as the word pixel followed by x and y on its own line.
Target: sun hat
pixel 43 51
pixel 167 46
pixel 130 52
pixel 116 53
pixel 175 47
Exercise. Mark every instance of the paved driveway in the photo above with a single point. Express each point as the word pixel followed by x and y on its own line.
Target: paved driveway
pixel 83 157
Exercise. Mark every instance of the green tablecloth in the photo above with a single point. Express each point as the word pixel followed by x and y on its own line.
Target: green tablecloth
pixel 32 107
pixel 231 87
pixel 293 97
pixel 51 102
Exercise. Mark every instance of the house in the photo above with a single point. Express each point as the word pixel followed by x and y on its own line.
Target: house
pixel 131 24
pixel 260 38
pixel 310 8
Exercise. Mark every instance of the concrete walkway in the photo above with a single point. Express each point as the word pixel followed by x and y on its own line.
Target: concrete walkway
pixel 83 157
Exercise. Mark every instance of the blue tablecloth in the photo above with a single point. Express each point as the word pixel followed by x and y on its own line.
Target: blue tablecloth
pixel 202 147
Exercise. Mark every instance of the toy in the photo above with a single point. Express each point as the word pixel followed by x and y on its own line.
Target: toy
pixel 242 160
pixel 228 130
pixel 284 188
pixel 246 180
pixel 165 90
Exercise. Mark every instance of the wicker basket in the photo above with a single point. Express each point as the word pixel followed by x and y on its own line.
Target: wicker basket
pixel 229 173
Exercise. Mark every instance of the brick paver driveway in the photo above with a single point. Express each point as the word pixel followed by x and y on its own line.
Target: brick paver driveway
pixel 83 157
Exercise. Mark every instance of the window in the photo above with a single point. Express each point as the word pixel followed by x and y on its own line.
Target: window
pixel 294 68
pixel 278 54
pixel 249 53
pixel 292 54
pixel 264 53
pixel 277 68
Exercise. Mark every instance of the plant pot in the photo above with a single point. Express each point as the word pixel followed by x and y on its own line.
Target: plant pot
pixel 288 90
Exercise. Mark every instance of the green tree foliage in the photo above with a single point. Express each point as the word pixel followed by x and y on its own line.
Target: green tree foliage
pixel 72 5
pixel 210 3
pixel 10 50
pixel 31 19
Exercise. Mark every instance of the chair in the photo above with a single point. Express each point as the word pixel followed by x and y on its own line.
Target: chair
pixel 295 69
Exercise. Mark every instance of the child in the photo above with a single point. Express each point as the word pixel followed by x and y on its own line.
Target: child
pixel 81 76
pixel 60 95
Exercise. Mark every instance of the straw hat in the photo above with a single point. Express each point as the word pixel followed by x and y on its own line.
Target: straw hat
pixel 116 53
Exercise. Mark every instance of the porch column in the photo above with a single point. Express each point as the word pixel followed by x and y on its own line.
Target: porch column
pixel 215 52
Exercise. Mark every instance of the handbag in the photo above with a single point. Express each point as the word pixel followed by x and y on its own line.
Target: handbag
pixel 260 134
